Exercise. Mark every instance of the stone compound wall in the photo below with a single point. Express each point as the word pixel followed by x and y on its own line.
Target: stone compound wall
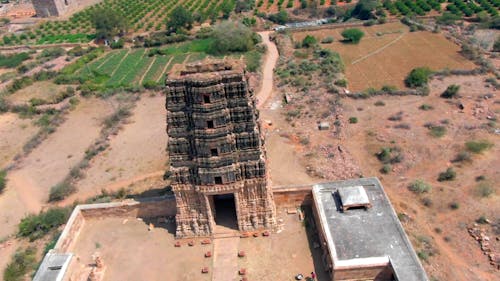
pixel 215 147
pixel 152 207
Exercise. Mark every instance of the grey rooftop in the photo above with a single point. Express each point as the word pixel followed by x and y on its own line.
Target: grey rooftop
pixel 365 236
pixel 53 267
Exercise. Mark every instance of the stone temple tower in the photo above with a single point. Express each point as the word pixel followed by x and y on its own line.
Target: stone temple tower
pixel 216 150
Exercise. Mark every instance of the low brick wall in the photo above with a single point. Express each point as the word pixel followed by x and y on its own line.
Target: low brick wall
pixel 292 196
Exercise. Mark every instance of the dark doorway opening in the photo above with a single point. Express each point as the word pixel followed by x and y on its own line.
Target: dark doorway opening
pixel 210 124
pixel 225 211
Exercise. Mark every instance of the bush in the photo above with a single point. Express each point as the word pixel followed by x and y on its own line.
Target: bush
pixel 3 180
pixel 419 186
pixel 454 205
pixel 389 155
pixel 12 61
pixel 280 18
pixel 426 107
pixel 118 44
pixel 327 40
pixel 36 226
pixel 451 92
pixel 418 77
pixel 482 220
pixel 150 84
pixel 484 189
pixel 427 201
pixel 341 83
pixel 437 131
pixel 379 103
pixel 60 191
pixel 309 41
pixel 478 146
pixel 23 262
pixel 447 175
pixel 353 120
pixel 387 168
pixel 352 35
pixel 462 157
pixel 232 37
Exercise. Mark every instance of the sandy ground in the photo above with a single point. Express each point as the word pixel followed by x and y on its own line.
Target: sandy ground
pixel 28 186
pixel 458 255
pixel 131 252
pixel 43 90
pixel 282 255
pixel 14 132
pixel 137 151
pixel 270 60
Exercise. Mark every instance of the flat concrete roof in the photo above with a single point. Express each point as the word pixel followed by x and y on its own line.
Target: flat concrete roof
pixel 360 237
pixel 53 267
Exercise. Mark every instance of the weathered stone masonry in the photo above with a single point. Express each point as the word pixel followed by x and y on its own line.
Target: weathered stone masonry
pixel 215 147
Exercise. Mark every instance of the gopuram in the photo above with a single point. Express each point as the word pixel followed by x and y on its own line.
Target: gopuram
pixel 217 157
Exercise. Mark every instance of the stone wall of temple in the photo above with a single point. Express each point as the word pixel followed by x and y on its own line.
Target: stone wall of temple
pixel 215 147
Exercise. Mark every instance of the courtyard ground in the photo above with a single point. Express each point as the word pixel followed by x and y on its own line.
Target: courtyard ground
pixel 130 251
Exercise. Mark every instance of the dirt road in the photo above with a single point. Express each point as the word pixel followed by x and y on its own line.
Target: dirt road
pixel 270 60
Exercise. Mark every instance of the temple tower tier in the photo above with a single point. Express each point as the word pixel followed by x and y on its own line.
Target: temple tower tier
pixel 215 148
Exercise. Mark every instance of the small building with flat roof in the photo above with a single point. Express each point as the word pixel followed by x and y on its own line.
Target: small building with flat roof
pixel 360 233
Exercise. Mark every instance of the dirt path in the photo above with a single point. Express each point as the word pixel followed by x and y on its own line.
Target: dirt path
pixel 270 60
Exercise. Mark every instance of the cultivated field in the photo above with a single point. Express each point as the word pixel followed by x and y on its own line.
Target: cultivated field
pixel 387 53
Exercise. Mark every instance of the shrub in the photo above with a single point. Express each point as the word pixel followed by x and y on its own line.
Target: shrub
pixel 447 175
pixel 352 35
pixel 341 83
pixel 327 40
pixel 484 189
pixel 353 120
pixel 280 18
pixel 118 44
pixel 3 180
pixel 12 61
pixel 232 37
pixel 425 107
pixel 418 77
pixel 451 92
pixel 427 201
pixel 387 168
pixel 36 226
pixel 437 131
pixel 22 262
pixel 454 205
pixel 462 157
pixel 150 84
pixel 482 220
pixel 309 41
pixel 379 103
pixel 60 191
pixel 478 146
pixel 419 186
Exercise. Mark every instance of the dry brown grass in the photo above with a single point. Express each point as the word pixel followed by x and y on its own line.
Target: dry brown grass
pixel 386 59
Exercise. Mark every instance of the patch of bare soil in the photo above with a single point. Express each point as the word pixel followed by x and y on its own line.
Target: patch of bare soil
pixel 436 229
pixel 42 90
pixel 137 150
pixel 14 132
pixel 28 186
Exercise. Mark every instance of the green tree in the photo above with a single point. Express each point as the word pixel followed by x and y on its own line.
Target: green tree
pixel 280 18
pixel 309 41
pixel 232 37
pixel 180 18
pixel 364 9
pixel 352 35
pixel 109 23
pixel 418 77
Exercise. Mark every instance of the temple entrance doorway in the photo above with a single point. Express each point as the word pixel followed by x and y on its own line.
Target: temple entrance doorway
pixel 224 212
